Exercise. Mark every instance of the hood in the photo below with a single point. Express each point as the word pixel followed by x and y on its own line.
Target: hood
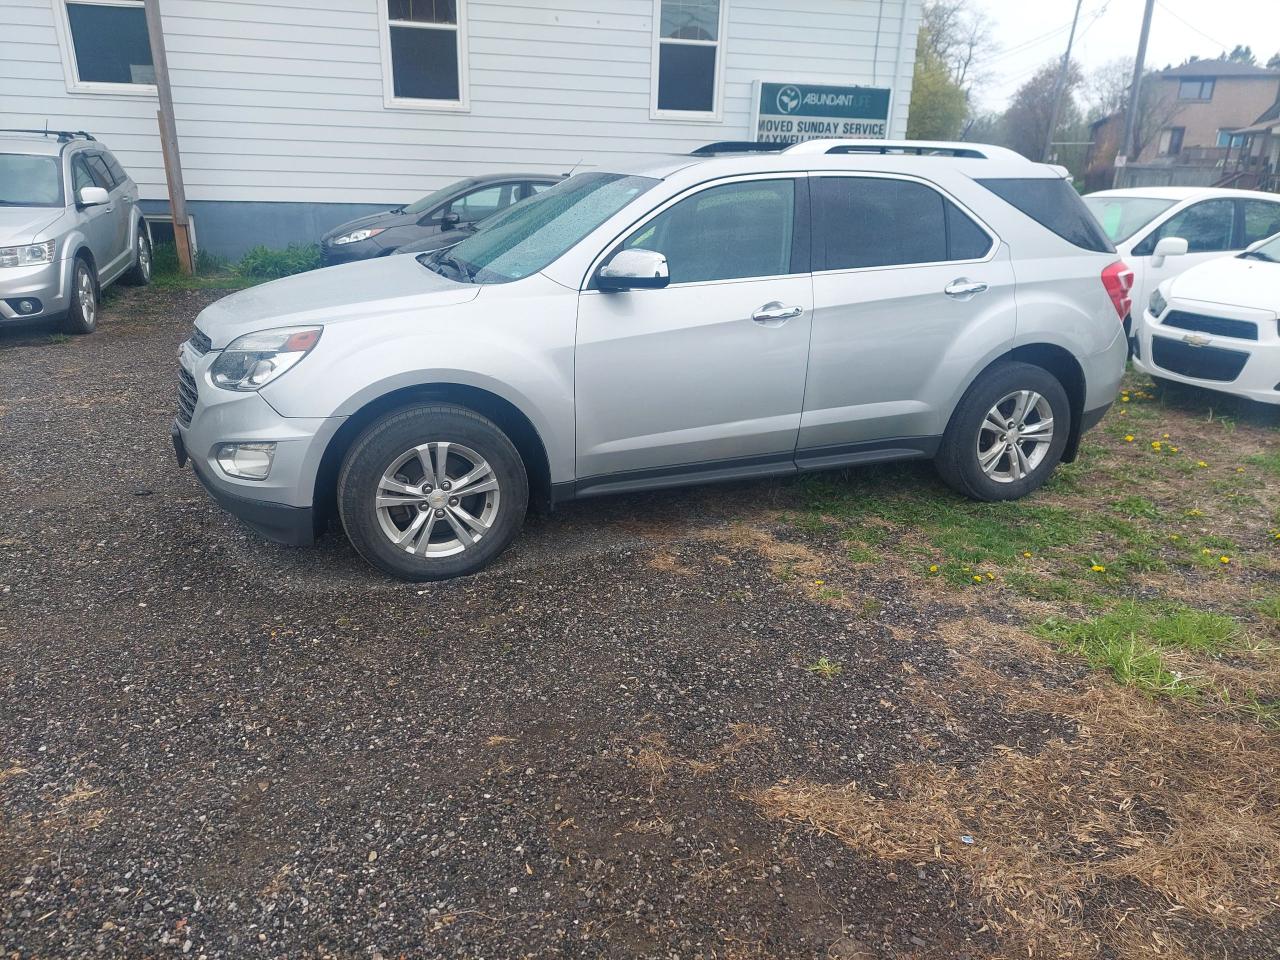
pixel 386 219
pixel 1253 284
pixel 23 224
pixel 352 292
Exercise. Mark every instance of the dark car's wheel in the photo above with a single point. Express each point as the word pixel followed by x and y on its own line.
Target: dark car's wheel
pixel 1007 433
pixel 140 274
pixel 432 492
pixel 82 317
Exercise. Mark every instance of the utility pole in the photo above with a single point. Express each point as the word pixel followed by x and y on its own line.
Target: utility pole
pixel 1060 87
pixel 1128 148
pixel 169 138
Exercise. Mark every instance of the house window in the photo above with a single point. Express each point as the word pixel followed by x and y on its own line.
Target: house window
pixel 108 45
pixel 1171 141
pixel 688 58
pixel 1227 139
pixel 424 53
pixel 1195 90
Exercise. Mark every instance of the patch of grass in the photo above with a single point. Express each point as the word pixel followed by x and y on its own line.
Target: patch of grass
pixel 861 553
pixel 59 338
pixel 1269 461
pixel 1269 608
pixel 263 263
pixel 825 668
pixel 1133 506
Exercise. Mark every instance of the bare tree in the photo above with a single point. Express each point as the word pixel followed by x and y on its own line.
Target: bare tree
pixel 1157 108
pixel 1106 90
pixel 960 36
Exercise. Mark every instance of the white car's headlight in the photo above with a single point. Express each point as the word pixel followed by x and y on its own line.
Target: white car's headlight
pixel 355 236
pixel 250 362
pixel 27 255
pixel 1157 304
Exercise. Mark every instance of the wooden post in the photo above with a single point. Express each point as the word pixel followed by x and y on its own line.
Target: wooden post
pixel 169 138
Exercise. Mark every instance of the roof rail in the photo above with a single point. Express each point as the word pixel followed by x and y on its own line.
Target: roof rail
pixel 739 146
pixel 920 148
pixel 64 136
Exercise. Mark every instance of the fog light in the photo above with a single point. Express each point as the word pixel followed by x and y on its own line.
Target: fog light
pixel 248 461
pixel 25 306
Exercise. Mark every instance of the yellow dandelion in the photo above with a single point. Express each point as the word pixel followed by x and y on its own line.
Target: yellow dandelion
pixel 1224 559
pixel 1175 536
pixel 1098 568
pixel 1155 444
pixel 933 568
pixel 1194 512
pixel 1206 551
pixel 1164 436
pixel 1174 449
pixel 1239 469
pixel 977 578
pixel 1026 553
pixel 1128 438
pixel 991 576
pixel 1201 463
pixel 817 583
pixel 1124 399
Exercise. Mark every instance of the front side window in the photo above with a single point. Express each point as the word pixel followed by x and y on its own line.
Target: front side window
pixel 1195 90
pixel 526 237
pixel 101 174
pixel 729 232
pixel 27 181
pixel 424 52
pixel 1206 226
pixel 484 203
pixel 876 222
pixel 109 42
pixel 81 177
pixel 687 56
pixel 1261 220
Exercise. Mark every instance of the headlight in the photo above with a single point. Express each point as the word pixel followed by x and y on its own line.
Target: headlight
pixel 250 362
pixel 1157 304
pixel 28 255
pixel 355 236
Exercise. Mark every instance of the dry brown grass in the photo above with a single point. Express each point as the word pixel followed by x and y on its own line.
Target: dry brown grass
pixel 1185 808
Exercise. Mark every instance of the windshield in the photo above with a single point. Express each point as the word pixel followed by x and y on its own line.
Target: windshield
pixel 1122 217
pixel 431 200
pixel 27 181
pixel 1269 251
pixel 529 235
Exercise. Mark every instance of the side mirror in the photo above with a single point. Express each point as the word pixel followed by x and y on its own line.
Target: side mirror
pixel 634 270
pixel 450 220
pixel 93 197
pixel 1168 247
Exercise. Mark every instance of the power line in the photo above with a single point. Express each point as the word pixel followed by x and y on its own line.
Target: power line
pixel 1193 27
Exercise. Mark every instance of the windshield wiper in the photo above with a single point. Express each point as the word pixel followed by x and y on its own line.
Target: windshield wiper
pixel 437 259
pixel 1258 255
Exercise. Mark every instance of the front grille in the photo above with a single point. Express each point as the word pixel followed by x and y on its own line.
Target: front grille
pixel 1218 326
pixel 200 342
pixel 187 395
pixel 1203 363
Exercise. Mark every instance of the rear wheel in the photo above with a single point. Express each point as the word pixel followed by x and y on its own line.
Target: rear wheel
pixel 432 492
pixel 1007 433
pixel 140 274
pixel 82 317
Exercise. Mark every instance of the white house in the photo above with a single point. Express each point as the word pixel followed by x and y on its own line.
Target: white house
pixel 294 115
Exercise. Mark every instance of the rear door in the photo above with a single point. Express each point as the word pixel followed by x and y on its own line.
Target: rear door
pixel 910 292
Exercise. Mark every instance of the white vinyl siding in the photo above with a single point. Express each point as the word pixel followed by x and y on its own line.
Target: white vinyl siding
pixel 285 100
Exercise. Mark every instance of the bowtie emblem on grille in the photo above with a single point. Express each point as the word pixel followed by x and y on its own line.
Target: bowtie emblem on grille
pixel 1196 340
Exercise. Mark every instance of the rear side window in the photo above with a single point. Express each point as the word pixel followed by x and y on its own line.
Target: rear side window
pixel 1054 204
pixel 876 222
pixel 1261 220
pixel 98 167
pixel 117 171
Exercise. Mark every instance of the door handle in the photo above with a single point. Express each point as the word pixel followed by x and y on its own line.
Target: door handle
pixel 126 199
pixel 776 313
pixel 962 288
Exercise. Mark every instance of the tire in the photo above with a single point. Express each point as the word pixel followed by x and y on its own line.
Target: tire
pixel 139 274
pixel 82 317
pixel 970 435
pixel 385 460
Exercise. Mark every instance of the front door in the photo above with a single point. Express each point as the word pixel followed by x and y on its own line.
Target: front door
pixel 706 375
pixel 1208 227
pixel 98 222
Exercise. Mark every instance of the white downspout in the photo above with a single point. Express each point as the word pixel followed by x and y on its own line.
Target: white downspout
pixel 898 103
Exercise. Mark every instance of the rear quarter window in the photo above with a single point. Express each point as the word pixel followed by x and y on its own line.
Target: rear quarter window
pixel 1054 204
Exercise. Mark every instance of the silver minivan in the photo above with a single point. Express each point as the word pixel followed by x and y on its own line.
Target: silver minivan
pixel 749 310
pixel 69 226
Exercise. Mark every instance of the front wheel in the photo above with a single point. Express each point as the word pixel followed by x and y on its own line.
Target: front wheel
pixel 1007 433
pixel 432 492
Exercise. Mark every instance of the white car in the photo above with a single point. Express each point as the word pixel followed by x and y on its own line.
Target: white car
pixel 1162 231
pixel 1215 326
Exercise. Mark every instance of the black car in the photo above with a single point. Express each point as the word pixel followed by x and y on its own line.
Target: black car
pixel 457 207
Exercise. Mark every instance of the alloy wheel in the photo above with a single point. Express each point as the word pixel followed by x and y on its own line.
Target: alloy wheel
pixel 437 499
pixel 144 258
pixel 86 296
pixel 1015 436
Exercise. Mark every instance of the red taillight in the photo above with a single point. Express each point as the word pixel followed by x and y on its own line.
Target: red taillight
pixel 1118 281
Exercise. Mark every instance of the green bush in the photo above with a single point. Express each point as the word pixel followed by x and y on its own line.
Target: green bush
pixel 263 263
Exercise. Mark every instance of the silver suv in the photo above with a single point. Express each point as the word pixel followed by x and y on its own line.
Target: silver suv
pixel 69 225
pixel 749 310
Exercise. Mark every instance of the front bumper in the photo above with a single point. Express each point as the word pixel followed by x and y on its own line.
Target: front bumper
pixel 281 507
pixel 1202 356
pixel 47 282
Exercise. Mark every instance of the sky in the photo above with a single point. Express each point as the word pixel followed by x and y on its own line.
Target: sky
pixel 1029 32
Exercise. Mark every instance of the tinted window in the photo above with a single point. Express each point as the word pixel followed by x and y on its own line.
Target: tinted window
pixel 725 233
pixel 117 171
pixel 965 239
pixel 98 167
pixel 111 43
pixel 1054 204
pixel 1261 220
pixel 1206 226
pixel 871 222
pixel 27 181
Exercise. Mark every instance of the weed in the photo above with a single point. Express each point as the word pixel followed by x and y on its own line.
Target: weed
pixel 1138 507
pixel 825 668
pixel 58 338
pixel 262 263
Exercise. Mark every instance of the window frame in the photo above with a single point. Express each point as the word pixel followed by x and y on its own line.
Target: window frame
pixel 459 29
pixel 1210 82
pixel 71 68
pixel 801 235
pixel 819 254
pixel 1146 246
pixel 716 115
pixel 1178 133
